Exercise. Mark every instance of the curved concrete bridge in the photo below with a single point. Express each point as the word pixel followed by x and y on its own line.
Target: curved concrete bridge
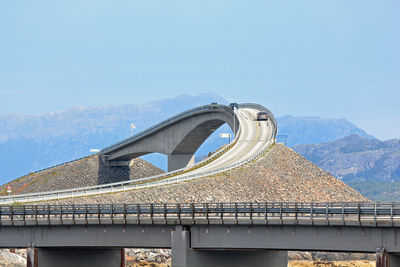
pixel 180 136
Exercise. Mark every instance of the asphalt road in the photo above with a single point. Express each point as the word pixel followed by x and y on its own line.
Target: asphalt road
pixel 253 138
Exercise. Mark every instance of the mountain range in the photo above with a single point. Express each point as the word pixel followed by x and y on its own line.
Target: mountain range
pixel 315 130
pixel 32 142
pixel 355 158
pixel 369 165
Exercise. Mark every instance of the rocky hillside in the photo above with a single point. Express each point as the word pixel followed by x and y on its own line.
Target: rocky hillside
pixel 279 175
pixel 84 172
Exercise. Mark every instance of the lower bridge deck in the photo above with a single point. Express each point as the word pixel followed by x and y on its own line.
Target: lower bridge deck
pixel 362 227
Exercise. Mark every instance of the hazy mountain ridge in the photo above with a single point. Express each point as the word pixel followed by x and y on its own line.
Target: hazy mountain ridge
pixel 356 158
pixel 314 130
pixel 95 119
pixel 29 143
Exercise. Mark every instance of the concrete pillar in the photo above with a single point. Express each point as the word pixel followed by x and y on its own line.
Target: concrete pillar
pixel 384 259
pixel 178 161
pixel 111 172
pixel 180 244
pixel 381 259
pixel 184 256
pixel 50 257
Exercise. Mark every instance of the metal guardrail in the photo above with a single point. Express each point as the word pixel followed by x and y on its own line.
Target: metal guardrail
pixel 331 213
pixel 143 182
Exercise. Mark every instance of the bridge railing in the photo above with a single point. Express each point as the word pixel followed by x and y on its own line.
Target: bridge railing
pixel 142 183
pixel 331 213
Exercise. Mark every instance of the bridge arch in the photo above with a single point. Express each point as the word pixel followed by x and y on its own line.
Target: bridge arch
pixel 178 137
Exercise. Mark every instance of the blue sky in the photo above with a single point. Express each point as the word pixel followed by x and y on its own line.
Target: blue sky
pixel 335 59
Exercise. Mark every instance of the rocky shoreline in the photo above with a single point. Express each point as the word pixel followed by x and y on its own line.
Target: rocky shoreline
pixel 356 263
pixel 162 258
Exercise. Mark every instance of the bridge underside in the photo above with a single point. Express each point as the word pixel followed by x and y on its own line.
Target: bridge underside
pixel 67 257
pixel 183 255
pixel 275 237
pixel 215 244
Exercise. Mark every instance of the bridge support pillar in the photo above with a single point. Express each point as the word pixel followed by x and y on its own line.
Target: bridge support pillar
pixel 178 161
pixel 384 259
pixel 184 256
pixel 50 257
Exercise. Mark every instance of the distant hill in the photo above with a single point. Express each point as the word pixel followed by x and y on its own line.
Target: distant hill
pixel 369 165
pixel 29 143
pixel 315 130
pixel 356 158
